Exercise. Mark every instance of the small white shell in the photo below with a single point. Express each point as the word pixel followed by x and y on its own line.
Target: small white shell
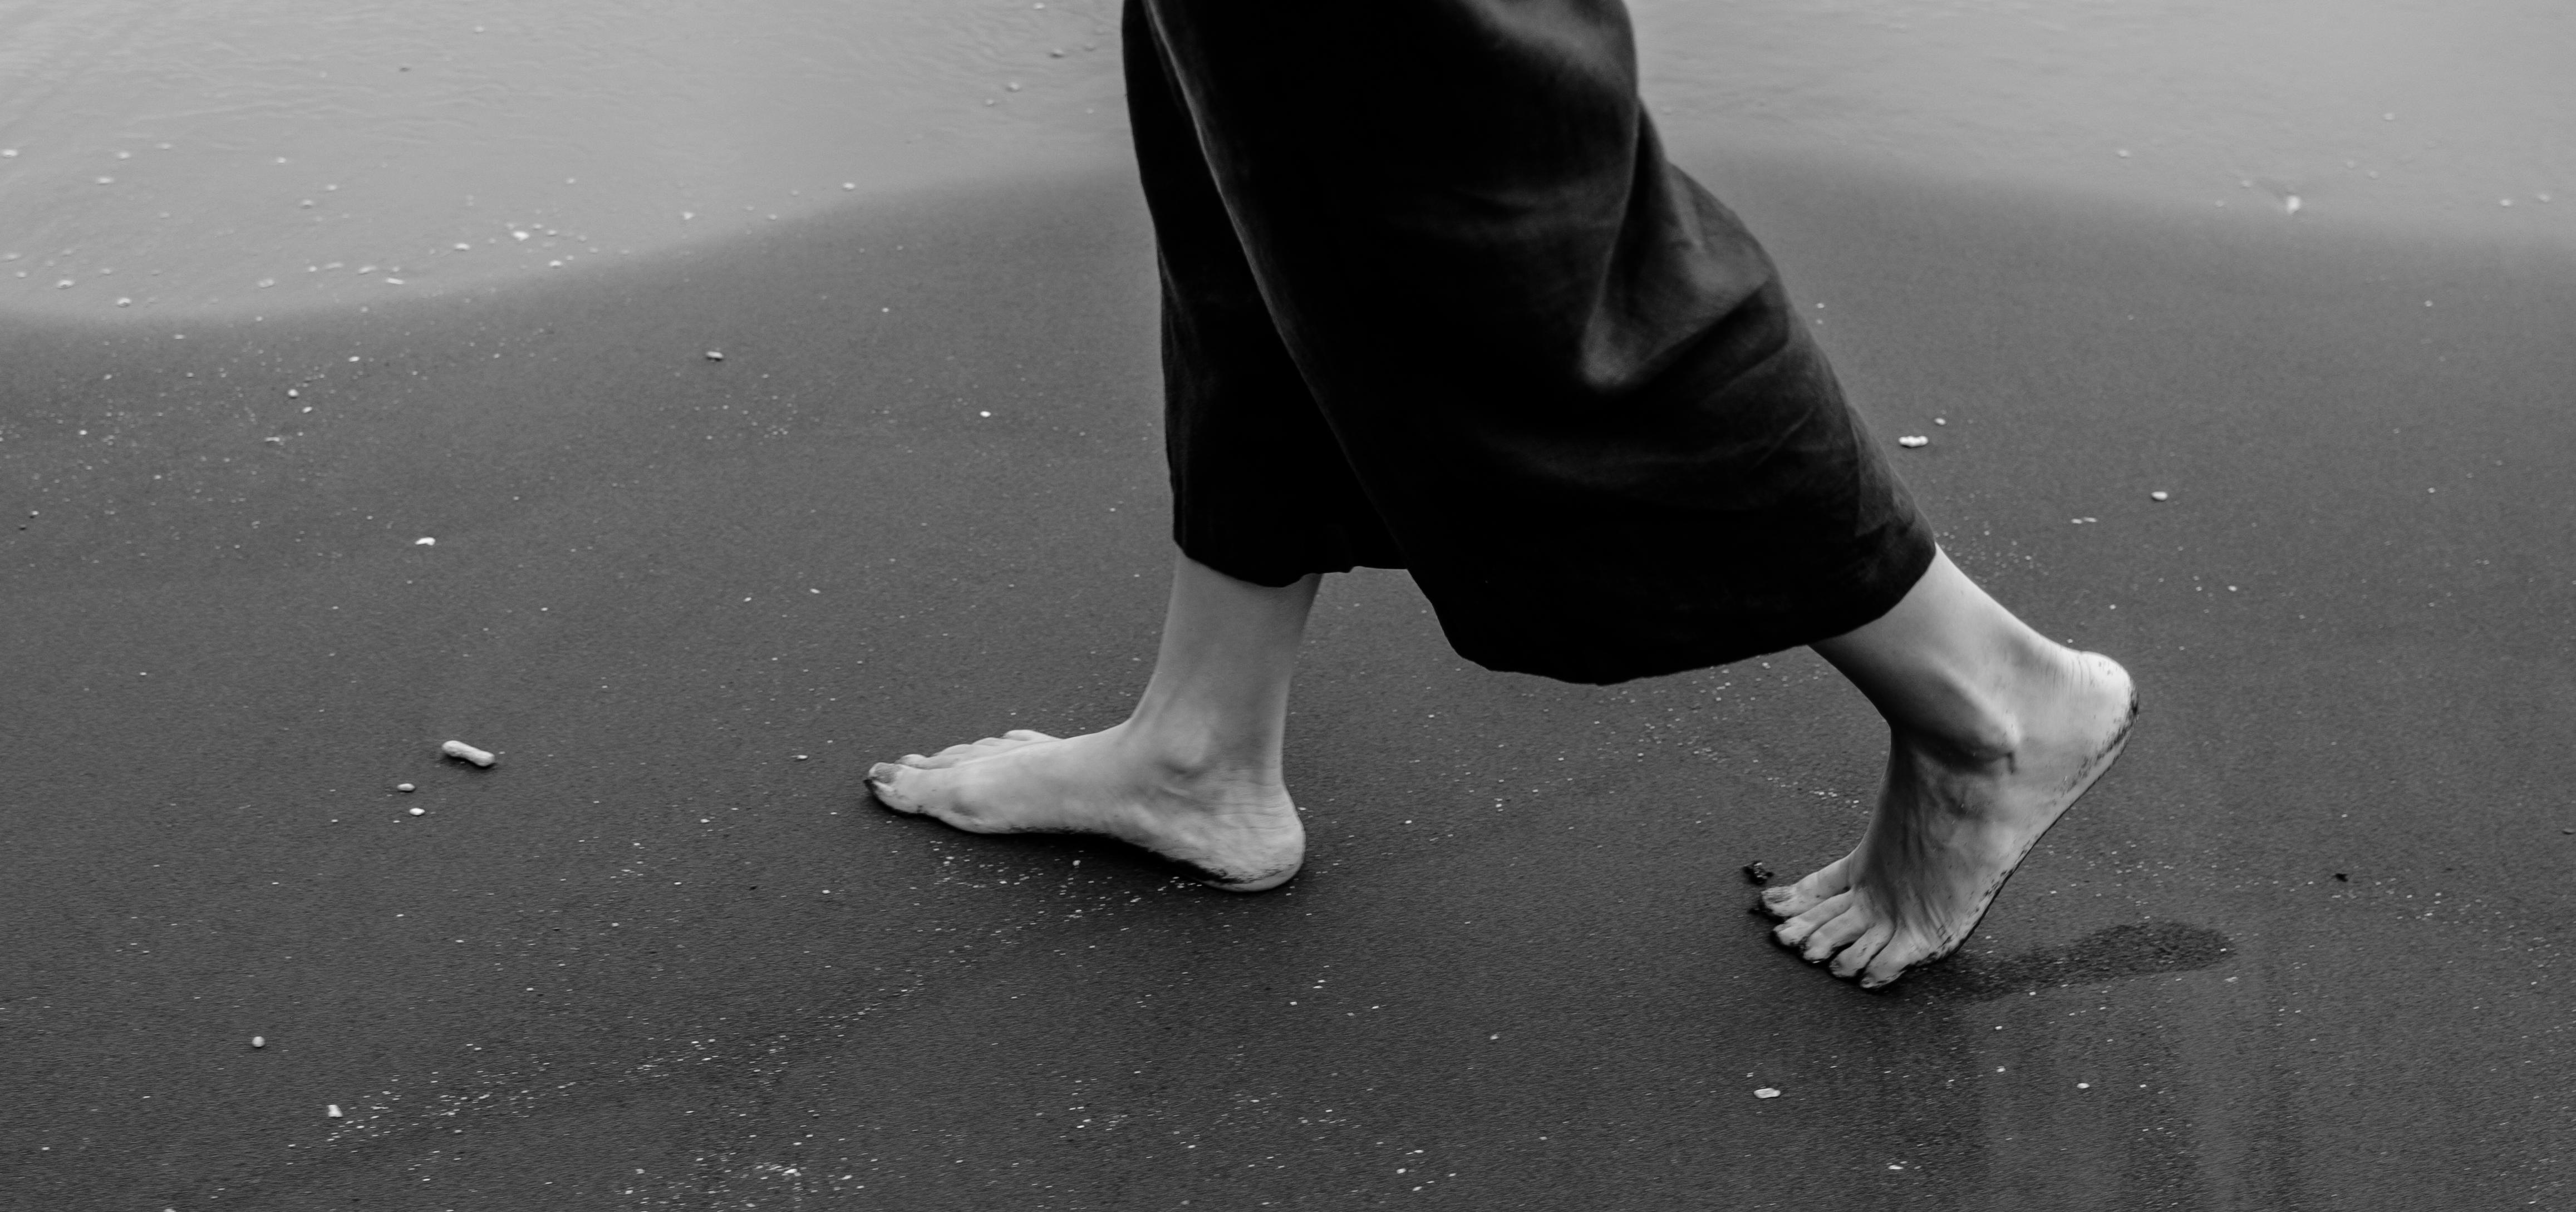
pixel 1910 441
pixel 332 1110
pixel 464 752
pixel 2160 495
pixel 1766 1092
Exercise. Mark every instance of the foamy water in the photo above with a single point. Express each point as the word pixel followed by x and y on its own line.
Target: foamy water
pixel 265 155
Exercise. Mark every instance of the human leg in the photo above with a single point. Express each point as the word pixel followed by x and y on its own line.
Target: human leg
pixel 1193 774
pixel 1994 731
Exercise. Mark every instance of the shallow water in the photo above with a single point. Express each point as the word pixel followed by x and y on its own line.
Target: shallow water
pixel 2443 116
pixel 214 154
pixel 194 156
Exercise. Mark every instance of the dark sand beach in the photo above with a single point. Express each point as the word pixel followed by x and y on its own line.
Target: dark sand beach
pixel 2307 947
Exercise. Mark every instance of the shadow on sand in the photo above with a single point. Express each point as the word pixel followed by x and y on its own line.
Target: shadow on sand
pixel 2109 954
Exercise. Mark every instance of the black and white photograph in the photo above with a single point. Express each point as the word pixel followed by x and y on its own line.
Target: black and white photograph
pixel 1124 605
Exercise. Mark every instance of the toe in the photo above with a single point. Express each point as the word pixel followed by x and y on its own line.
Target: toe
pixel 885 780
pixel 1027 734
pixel 1849 962
pixel 1796 930
pixel 1893 960
pixel 948 757
pixel 1790 900
pixel 1834 934
pixel 1822 884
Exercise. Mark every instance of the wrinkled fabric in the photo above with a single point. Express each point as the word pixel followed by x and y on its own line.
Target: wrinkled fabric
pixel 1434 300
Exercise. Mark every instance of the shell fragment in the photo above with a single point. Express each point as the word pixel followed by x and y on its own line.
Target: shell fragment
pixel 467 753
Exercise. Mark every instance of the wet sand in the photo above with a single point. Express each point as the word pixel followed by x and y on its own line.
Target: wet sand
pixel 2306 947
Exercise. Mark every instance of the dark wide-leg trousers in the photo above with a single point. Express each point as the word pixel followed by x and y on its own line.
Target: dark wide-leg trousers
pixel 1434 300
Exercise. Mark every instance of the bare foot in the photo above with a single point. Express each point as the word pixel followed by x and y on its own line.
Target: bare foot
pixel 1239 829
pixel 1950 829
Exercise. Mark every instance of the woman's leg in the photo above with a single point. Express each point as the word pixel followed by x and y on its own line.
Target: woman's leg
pixel 1193 774
pixel 1994 731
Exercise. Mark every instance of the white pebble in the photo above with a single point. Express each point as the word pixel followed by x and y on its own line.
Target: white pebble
pixel 1940 420
pixel 259 1041
pixel 333 1110
pixel 419 811
pixel 715 355
pixel 465 752
pixel 2160 495
pixel 1910 441
pixel 1766 1092
pixel 404 787
pixel 424 541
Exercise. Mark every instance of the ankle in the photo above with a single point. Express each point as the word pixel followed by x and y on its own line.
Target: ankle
pixel 1181 750
pixel 1988 719
pixel 1976 735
